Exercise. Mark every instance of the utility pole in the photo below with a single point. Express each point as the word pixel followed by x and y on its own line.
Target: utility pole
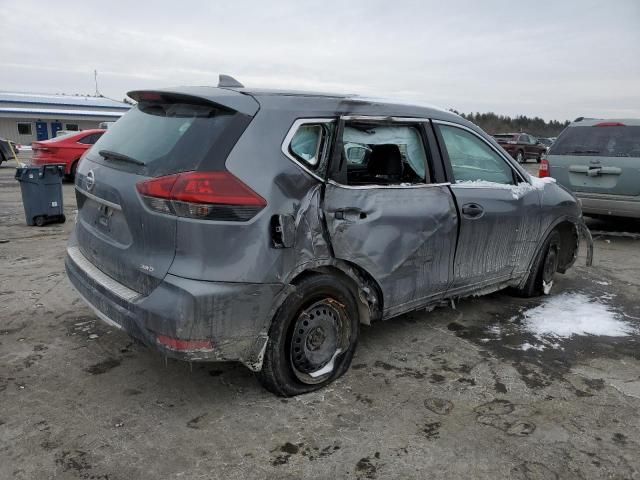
pixel 95 78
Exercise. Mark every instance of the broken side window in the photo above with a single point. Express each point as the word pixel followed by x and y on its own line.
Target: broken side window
pixel 376 154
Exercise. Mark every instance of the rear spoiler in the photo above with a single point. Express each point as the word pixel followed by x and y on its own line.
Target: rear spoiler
pixel 221 97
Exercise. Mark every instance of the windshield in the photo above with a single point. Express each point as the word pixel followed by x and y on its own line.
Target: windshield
pixel 165 137
pixel 615 141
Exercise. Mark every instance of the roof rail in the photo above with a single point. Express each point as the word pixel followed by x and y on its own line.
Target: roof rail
pixel 227 81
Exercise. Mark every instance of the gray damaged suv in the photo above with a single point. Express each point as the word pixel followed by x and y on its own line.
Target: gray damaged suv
pixel 232 224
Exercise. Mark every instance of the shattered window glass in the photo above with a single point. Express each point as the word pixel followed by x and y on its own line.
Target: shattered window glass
pixel 305 144
pixel 472 159
pixel 384 154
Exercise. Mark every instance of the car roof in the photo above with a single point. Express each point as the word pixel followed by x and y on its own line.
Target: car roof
pixel 590 122
pixel 319 102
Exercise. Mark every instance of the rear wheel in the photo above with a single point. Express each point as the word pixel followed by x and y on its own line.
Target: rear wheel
pixel 540 279
pixel 520 156
pixel 313 337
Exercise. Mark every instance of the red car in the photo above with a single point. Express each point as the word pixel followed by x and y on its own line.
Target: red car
pixel 66 149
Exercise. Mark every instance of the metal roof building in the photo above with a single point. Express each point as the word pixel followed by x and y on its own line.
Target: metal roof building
pixel 27 117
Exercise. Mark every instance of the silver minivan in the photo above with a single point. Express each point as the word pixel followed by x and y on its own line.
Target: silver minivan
pixel 599 160
pixel 259 226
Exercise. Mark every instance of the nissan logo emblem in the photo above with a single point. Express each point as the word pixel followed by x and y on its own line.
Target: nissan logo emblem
pixel 91 180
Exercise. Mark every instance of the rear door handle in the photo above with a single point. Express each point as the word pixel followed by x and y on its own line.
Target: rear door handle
pixel 472 210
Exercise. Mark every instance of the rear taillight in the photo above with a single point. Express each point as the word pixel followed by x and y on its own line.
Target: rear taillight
pixel 203 195
pixel 178 345
pixel 543 172
pixel 41 150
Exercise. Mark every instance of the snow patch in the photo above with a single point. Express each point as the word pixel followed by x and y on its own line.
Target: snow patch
pixel 528 346
pixel 540 183
pixel 569 314
pixel 517 191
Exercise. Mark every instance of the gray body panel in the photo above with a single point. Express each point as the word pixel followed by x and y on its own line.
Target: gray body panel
pixel 126 241
pixel 406 250
pixel 500 242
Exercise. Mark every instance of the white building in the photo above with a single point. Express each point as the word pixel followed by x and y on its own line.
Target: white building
pixel 28 117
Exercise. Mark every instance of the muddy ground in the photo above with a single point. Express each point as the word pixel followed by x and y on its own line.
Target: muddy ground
pixel 446 394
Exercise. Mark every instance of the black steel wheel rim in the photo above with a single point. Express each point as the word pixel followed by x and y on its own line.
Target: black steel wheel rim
pixel 320 333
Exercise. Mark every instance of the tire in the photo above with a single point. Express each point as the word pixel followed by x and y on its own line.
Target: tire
pixel 62 218
pixel 312 338
pixel 520 158
pixel 72 171
pixel 540 279
pixel 40 220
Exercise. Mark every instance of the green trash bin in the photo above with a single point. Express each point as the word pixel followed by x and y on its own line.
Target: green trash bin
pixel 42 193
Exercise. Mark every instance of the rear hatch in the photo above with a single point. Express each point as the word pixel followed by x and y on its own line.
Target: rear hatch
pixel 165 134
pixel 598 157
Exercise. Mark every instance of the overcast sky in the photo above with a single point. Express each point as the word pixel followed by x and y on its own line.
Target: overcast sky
pixel 555 59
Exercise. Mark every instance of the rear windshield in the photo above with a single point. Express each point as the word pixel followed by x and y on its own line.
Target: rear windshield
pixel 598 142
pixel 503 136
pixel 166 137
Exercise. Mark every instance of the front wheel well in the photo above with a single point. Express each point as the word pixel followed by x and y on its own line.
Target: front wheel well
pixel 569 244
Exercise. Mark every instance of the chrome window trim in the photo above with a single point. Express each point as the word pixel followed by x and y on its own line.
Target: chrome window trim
pixel 292 131
pixel 115 206
pixel 380 118
pixel 507 160
pixel 100 277
pixel 380 187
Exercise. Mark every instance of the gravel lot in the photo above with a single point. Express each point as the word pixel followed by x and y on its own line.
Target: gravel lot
pixel 470 392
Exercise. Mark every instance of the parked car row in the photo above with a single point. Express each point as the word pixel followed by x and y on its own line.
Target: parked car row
pixel 234 224
pixel 599 160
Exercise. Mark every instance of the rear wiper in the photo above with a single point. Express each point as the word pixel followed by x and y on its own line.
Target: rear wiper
pixel 585 151
pixel 110 154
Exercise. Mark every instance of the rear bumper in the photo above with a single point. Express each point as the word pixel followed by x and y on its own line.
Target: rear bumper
pixel 233 316
pixel 609 205
pixel 36 162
